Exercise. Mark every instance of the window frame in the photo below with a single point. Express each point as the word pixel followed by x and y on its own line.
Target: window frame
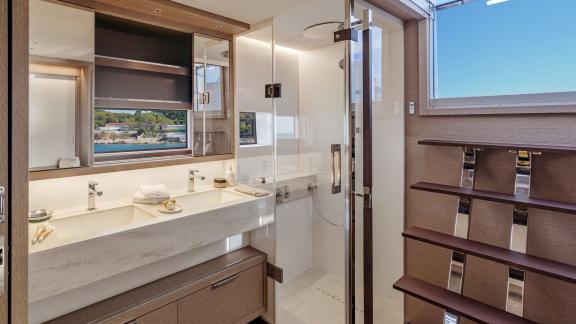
pixel 534 103
pixel 112 157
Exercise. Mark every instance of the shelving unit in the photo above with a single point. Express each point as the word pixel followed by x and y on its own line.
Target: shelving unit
pixel 515 257
pixel 456 303
pixel 502 146
pixel 128 64
pixel 496 197
pixel 489 252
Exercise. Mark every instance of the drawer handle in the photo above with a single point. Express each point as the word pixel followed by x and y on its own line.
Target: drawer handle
pixel 224 282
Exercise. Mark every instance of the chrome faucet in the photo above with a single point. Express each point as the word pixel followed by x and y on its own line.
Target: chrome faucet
pixel 93 190
pixel 192 174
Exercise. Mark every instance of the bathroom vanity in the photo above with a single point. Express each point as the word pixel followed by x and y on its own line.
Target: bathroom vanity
pixel 88 246
pixel 228 289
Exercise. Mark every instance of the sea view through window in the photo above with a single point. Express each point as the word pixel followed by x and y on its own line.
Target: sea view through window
pixel 129 130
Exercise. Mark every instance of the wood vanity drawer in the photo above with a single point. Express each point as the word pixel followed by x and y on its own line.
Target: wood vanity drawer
pixel 232 300
pixel 164 315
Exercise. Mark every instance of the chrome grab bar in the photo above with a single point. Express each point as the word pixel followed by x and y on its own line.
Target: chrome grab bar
pixel 336 167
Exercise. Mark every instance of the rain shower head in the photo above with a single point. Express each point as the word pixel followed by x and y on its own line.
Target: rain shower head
pixel 323 30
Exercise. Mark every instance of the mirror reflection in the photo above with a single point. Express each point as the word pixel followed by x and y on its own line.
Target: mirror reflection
pixel 212 97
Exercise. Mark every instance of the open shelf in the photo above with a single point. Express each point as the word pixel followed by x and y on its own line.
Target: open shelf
pixel 119 103
pixel 523 261
pixel 496 197
pixel 502 146
pixel 141 65
pixel 456 303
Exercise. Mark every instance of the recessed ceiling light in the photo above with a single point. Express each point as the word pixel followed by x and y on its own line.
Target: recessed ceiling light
pixel 219 26
pixel 158 10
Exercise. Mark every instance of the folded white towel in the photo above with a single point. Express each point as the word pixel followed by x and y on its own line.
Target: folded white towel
pixel 69 162
pixel 152 194
pixel 154 191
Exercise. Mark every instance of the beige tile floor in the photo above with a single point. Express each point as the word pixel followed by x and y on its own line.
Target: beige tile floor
pixel 318 298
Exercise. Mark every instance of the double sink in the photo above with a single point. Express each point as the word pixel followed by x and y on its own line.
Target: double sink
pixel 85 224
pixel 88 246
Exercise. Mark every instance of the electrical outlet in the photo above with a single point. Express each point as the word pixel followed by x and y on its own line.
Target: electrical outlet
pixel 412 108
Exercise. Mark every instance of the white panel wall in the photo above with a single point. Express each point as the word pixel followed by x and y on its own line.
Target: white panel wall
pixel 72 192
pixel 322 124
pixel 52 119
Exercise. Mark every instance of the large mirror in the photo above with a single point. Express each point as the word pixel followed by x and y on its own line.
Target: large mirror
pixel 61 64
pixel 213 115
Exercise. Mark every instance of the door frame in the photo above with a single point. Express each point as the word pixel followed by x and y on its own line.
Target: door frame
pixel 14 150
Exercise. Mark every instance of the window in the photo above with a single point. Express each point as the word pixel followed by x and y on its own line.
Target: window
pixel 248 128
pixel 130 130
pixel 504 47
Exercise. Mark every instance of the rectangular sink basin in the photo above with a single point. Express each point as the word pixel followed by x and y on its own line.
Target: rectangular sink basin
pixel 98 221
pixel 208 199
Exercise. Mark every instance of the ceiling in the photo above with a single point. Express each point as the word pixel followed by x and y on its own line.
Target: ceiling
pixel 291 17
pixel 51 35
pixel 248 11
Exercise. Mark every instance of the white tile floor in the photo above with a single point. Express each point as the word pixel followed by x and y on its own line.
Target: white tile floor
pixel 318 298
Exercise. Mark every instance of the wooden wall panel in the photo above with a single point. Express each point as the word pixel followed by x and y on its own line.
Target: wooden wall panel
pixel 4 140
pixel 551 235
pixel 19 164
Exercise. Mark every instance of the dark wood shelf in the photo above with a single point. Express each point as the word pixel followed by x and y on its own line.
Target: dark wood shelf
pixel 141 66
pixel 120 103
pixel 496 197
pixel 456 303
pixel 502 146
pixel 523 261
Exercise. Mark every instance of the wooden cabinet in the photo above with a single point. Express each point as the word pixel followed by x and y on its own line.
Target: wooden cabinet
pixel 165 315
pixel 230 289
pixel 234 299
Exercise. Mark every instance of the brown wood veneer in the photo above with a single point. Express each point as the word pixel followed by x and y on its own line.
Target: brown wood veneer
pixel 496 197
pixel 502 146
pixel 550 268
pixel 456 303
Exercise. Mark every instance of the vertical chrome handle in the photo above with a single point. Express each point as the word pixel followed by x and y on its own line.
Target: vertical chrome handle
pixel 2 197
pixel 336 167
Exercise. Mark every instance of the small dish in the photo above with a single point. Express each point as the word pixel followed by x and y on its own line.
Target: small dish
pixel 39 215
pixel 178 208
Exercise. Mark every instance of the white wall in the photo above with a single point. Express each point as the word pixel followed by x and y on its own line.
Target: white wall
pixel 72 192
pixel 321 124
pixel 52 119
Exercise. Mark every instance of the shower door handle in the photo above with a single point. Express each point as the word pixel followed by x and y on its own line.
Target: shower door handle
pixel 336 167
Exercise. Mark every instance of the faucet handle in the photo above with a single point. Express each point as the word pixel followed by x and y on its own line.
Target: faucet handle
pixel 192 172
pixel 93 183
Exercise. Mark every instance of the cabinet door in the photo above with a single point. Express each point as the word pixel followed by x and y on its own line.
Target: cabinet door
pixel 228 301
pixel 164 315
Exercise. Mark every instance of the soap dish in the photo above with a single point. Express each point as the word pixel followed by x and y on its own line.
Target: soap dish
pixel 178 208
pixel 39 215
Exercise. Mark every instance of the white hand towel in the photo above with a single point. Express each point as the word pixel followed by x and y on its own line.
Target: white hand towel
pixel 154 191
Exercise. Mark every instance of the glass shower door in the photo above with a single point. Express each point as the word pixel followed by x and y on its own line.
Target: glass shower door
pixel 311 165
pixel 378 117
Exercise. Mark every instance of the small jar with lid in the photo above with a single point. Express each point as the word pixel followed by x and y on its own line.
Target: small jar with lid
pixel 220 183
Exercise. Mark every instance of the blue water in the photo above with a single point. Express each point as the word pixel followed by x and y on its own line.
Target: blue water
pixel 111 148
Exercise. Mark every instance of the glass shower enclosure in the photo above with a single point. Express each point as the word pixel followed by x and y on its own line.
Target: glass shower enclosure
pixel 320 100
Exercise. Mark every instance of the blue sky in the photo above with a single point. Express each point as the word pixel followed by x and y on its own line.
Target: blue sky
pixel 515 47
